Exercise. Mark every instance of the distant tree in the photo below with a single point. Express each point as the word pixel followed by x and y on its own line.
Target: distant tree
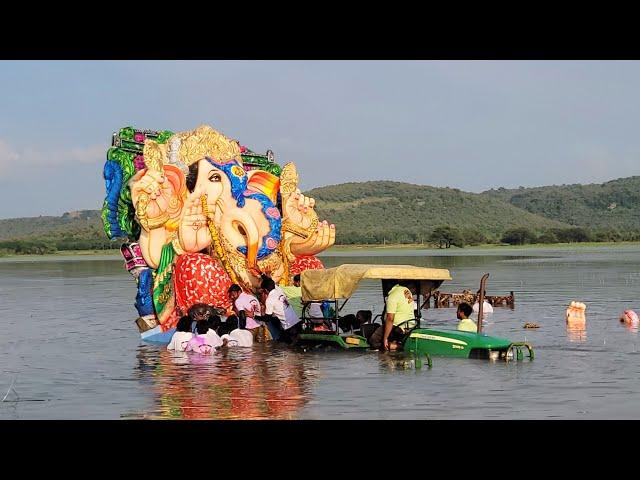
pixel 473 236
pixel 34 247
pixel 573 234
pixel 547 237
pixel 518 236
pixel 580 234
pixel 445 236
pixel 607 235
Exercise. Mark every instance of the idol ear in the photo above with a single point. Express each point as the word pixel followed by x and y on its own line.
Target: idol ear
pixel 176 177
pixel 177 180
pixel 264 182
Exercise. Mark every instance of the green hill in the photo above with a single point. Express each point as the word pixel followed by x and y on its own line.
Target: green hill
pixel 81 223
pixel 610 205
pixel 80 230
pixel 373 212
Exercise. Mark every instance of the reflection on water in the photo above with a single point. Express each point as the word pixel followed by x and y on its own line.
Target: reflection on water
pixel 398 361
pixel 262 382
pixel 577 331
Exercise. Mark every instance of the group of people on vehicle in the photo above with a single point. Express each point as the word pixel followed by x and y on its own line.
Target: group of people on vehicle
pixel 277 312
pixel 401 311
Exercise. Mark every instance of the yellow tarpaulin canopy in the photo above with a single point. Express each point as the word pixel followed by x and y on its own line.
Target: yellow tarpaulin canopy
pixel 341 282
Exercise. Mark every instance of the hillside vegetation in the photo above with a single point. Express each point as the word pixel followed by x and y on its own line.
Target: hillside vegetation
pixel 393 212
pixel 614 204
pixel 373 212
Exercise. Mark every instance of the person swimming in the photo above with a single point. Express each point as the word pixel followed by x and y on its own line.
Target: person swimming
pixel 630 318
pixel 206 339
pixel 576 313
pixel 182 336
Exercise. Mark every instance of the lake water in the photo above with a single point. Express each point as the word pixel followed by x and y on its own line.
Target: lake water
pixel 69 348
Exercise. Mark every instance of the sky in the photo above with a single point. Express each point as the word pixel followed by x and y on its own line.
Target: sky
pixel 471 125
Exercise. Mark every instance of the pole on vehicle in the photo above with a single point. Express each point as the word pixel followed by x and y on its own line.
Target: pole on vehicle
pixel 483 282
pixel 418 313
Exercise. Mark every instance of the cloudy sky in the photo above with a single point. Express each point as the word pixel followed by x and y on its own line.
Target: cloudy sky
pixel 472 125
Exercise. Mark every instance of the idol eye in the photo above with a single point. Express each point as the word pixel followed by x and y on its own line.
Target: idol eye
pixel 215 177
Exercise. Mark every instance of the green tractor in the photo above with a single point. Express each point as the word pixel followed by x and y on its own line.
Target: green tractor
pixel 335 284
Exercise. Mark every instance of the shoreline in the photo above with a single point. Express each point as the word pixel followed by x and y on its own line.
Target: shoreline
pixel 485 246
pixel 360 248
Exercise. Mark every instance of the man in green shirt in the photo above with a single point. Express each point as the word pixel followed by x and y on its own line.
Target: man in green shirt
pixel 399 308
pixel 466 324
pixel 294 296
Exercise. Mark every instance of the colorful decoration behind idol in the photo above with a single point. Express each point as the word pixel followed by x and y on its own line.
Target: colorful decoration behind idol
pixel 199 212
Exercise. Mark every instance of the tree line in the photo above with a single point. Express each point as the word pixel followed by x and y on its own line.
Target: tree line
pixel 446 236
pixel 44 246
pixel 443 236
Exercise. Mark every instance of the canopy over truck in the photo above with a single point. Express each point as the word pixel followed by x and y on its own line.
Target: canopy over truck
pixel 341 282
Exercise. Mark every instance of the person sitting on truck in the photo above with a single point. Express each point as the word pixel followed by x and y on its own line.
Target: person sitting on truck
pixel 463 313
pixel 400 312
pixel 277 311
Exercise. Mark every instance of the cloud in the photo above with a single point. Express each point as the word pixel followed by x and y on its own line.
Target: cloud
pixel 12 160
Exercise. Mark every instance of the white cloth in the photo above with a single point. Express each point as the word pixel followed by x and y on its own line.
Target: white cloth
pixel 200 344
pixel 315 311
pixel 213 338
pixel 179 341
pixel 486 307
pixel 278 305
pixel 274 304
pixel 238 338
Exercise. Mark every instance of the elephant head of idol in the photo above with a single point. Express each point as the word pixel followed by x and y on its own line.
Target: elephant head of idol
pixel 228 212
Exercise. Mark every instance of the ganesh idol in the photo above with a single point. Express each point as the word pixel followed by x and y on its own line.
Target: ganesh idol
pixel 207 213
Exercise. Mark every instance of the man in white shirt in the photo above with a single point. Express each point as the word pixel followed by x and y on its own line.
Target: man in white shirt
pixel 486 306
pixel 182 335
pixel 247 309
pixel 278 311
pixel 237 338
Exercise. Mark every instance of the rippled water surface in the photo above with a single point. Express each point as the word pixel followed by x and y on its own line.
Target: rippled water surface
pixel 69 348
